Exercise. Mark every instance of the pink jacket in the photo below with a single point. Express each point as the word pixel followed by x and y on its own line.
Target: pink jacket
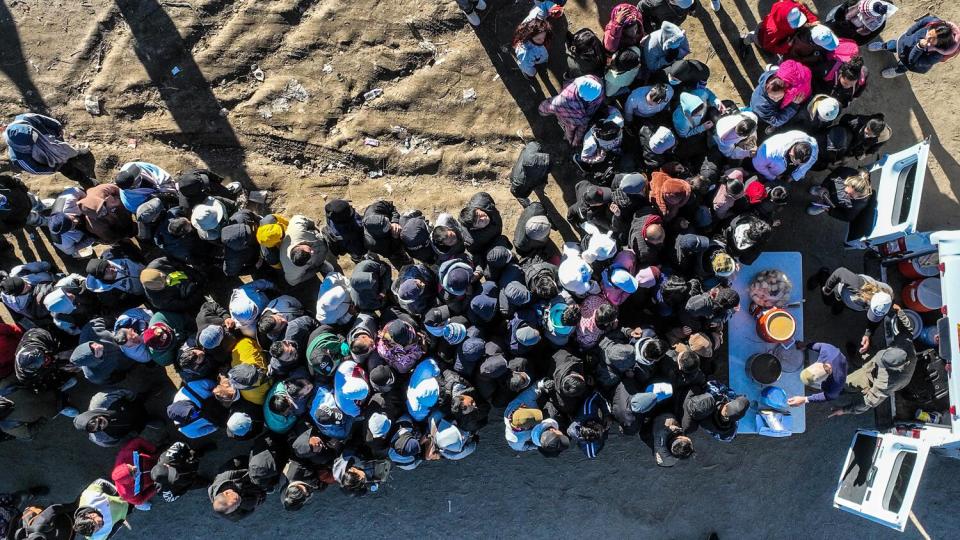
pixel 798 78
pixel 627 260
pixel 612 32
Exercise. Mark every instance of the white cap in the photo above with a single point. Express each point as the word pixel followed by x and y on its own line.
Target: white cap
pixel 828 109
pixel 824 37
pixel 879 306
pixel 662 140
pixel 796 18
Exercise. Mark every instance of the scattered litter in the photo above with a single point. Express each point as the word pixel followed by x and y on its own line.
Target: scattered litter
pixel 399 130
pixel 376 174
pixel 92 104
pixel 373 94
pixel 293 91
pixel 132 143
pixel 415 142
pixel 257 73
pixel 428 45
pixel 496 76
pixel 469 95
pixel 327 68
pixel 175 71
pixel 371 142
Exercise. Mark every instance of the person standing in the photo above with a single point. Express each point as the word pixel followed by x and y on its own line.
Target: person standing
pixel 928 42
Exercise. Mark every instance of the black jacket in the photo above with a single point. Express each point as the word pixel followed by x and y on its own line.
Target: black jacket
pixel 235 475
pixel 241 252
pixel 184 296
pixel 16 208
pixel 484 238
pixel 376 229
pixel 530 170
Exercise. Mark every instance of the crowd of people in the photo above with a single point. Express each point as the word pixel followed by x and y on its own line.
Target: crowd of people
pixel 441 322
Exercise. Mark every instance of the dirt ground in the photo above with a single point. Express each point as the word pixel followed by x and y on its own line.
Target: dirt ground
pixel 179 84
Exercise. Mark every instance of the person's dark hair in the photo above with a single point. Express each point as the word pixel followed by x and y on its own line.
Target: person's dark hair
pixel 758 229
pixel 279 404
pixel 544 286
pixel 299 256
pixel 734 187
pixel 190 360
pixel 745 127
pixel 358 347
pixel 276 349
pixel 852 70
pixel 700 185
pixel 571 315
pixel 779 195
pixel 591 430
pixel 607 130
pixel 655 348
pixel 294 498
pixel 528 29
pixel 658 93
pixel 775 84
pixel 179 227
pixel 268 324
pixel 439 234
pixel 466 216
pixel 352 481
pixel 674 290
pixel 876 125
pixel 92 425
pixel 944 35
pixel 626 60
pixel 605 315
pixel 802 151
pixel 85 525
pixel 681 447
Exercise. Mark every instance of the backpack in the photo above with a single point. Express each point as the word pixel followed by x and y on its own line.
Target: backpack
pixel 587 49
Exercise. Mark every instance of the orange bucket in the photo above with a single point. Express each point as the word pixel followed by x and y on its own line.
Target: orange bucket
pixel 776 326
pixel 923 296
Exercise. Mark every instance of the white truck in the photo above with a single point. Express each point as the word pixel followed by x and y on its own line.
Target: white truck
pixel 882 470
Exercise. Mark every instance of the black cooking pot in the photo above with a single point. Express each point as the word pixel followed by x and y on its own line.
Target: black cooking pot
pixel 764 368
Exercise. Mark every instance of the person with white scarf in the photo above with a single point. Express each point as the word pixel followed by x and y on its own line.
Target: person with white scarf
pixel 35 145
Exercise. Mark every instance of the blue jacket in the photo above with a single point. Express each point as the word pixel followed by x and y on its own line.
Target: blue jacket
pixel 768 110
pixel 593 408
pixel 45 125
pixel 833 385
pixel 197 391
pixel 911 55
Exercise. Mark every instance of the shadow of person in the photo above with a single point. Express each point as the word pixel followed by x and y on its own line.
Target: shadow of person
pixel 187 94
pixel 14 64
pixel 743 85
pixel 556 218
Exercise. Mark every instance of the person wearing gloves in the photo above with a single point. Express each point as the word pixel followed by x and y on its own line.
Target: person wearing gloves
pixel 776 31
pixel 303 251
pixel 657 12
pixel 928 42
pixel 828 374
pixel 785 156
pixel 575 106
pixel 101 512
pixel 624 30
pixel 664 47
pixel 35 145
pixel 888 371
pixel 780 92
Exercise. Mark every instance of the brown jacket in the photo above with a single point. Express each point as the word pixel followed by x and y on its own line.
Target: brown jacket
pixel 104 214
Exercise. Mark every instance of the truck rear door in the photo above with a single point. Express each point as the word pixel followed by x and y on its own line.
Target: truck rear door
pixel 880 477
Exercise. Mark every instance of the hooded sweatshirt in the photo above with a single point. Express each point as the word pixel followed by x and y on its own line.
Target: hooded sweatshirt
pixel 663 47
pixel 101 496
pixel 99 371
pixel 136 487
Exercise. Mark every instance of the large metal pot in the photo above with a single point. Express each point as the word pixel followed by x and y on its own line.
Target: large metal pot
pixel 776 325
pixel 764 368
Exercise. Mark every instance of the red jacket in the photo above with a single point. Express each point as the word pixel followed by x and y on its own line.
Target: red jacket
pixel 127 481
pixel 775 32
pixel 10 335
